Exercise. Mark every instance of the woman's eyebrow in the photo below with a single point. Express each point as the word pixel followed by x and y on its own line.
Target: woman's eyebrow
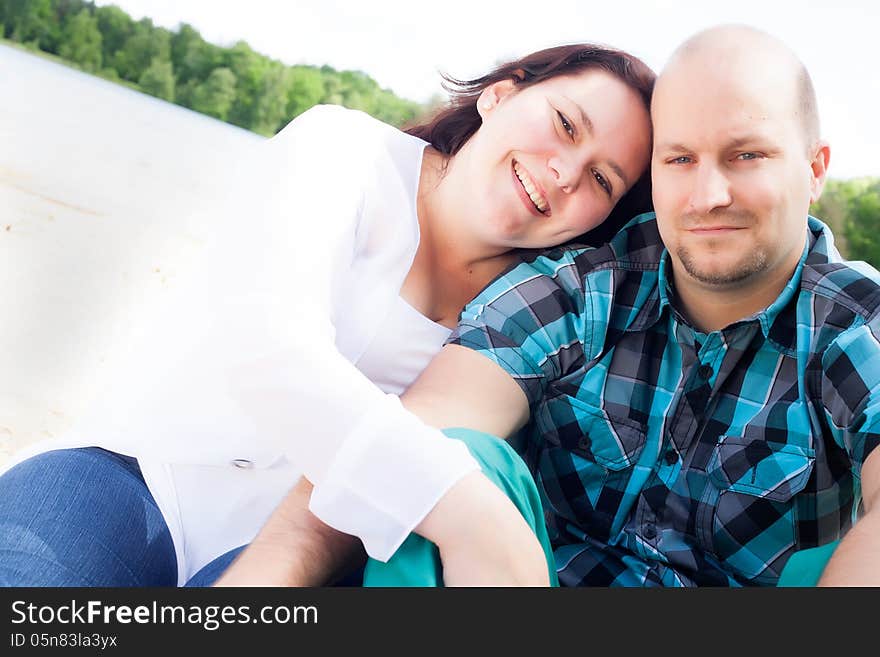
pixel 585 119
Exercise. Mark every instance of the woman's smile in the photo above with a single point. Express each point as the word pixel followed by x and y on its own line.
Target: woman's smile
pixel 529 191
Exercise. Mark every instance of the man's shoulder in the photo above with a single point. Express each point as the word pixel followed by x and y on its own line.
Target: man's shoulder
pixel 636 247
pixel 852 285
pixel 843 285
pixel 573 280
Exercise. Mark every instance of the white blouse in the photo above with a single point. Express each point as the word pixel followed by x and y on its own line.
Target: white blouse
pixel 403 346
pixel 284 355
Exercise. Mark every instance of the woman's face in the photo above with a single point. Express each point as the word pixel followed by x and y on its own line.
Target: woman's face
pixel 550 160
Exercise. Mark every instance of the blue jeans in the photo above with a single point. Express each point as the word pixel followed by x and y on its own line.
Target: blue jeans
pixel 85 517
pixel 82 517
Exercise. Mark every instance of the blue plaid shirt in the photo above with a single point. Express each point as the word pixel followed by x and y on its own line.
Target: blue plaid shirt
pixel 666 456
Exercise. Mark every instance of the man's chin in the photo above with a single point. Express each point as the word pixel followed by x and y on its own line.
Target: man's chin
pixel 709 271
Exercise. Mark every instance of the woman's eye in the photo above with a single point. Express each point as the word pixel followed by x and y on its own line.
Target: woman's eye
pixel 681 159
pixel 602 182
pixel 566 125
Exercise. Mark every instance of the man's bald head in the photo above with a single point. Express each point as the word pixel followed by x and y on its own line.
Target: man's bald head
pixel 744 53
pixel 736 163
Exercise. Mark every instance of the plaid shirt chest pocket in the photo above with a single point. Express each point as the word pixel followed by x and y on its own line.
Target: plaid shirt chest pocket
pixel 590 458
pixel 750 512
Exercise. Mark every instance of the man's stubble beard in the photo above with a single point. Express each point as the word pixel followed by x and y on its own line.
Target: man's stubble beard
pixel 753 263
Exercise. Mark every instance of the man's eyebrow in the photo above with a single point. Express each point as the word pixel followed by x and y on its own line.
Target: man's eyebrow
pixel 748 139
pixel 736 142
pixel 678 148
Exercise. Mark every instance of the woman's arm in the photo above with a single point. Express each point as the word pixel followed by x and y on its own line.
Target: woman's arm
pixel 482 538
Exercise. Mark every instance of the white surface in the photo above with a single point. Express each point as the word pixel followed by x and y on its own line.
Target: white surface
pixel 100 195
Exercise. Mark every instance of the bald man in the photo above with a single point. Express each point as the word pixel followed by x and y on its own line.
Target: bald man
pixel 701 397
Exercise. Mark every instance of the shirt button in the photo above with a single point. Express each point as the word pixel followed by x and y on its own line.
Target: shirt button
pixel 670 457
pixel 650 532
pixel 244 464
pixel 705 372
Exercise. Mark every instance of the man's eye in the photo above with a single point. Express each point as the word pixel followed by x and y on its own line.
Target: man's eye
pixel 566 124
pixel 681 159
pixel 748 156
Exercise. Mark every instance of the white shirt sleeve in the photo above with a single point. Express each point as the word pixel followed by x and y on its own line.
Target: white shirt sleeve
pixel 377 469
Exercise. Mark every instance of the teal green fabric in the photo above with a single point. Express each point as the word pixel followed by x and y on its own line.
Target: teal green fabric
pixel 804 568
pixel 417 561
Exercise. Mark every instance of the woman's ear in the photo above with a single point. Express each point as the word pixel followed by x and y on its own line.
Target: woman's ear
pixel 492 95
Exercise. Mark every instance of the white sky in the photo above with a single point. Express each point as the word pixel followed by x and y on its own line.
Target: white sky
pixel 404 43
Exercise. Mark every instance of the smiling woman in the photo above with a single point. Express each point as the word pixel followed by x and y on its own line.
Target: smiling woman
pixel 334 276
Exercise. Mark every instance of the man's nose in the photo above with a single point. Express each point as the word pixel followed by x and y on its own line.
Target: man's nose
pixel 711 190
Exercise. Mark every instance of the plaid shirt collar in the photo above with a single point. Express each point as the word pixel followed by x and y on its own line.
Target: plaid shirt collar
pixel 777 321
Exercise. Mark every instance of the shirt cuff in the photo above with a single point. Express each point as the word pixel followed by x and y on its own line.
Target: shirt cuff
pixel 388 475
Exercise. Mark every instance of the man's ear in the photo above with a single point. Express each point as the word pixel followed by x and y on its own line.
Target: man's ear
pixel 819 169
pixel 493 95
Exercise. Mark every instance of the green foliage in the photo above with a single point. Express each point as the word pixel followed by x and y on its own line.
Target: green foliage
pixel 144 45
pixel 215 95
pixel 193 57
pixel 81 41
pixel 269 110
pixel 862 227
pixel 234 84
pixel 306 88
pixel 30 21
pixel 116 27
pixel 852 209
pixel 158 79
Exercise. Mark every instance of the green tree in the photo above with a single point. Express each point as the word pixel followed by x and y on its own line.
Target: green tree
pixel 836 206
pixel 396 111
pixel 306 89
pixel 333 89
pixel 246 65
pixel 269 110
pixel 115 26
pixel 158 79
pixel 145 44
pixel 32 22
pixel 81 41
pixel 359 91
pixel 852 209
pixel 192 56
pixel 862 226
pixel 215 95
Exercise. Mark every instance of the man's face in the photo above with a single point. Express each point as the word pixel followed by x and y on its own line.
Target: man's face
pixel 731 176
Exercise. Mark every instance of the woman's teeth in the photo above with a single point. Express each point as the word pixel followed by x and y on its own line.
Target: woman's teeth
pixel 533 193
